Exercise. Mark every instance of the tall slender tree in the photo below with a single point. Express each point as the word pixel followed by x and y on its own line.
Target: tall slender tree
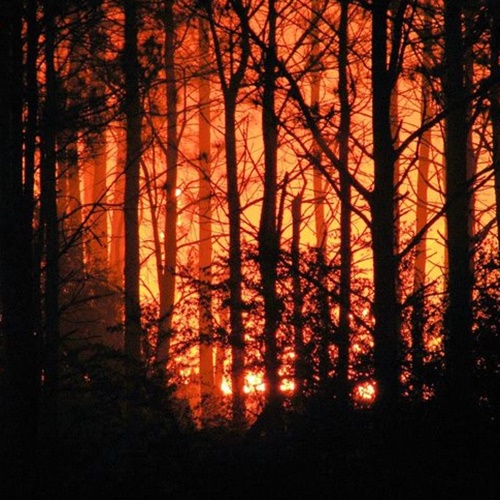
pixel 205 227
pixel 421 213
pixel 231 74
pixel 385 307
pixel 268 237
pixel 494 11
pixel 458 321
pixel 345 209
pixel 19 414
pixel 167 286
pixel 133 116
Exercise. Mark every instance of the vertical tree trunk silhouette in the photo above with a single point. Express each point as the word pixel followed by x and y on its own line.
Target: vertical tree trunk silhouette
pixel 458 320
pixel 205 229
pixel 48 200
pixel 298 303
pixel 268 238
pixel 133 116
pixel 325 324
pixel 385 307
pixel 494 9
pixel 167 286
pixel 230 89
pixel 345 211
pixel 19 412
pixel 421 214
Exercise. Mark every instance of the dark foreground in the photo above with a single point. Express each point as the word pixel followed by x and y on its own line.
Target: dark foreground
pixel 420 454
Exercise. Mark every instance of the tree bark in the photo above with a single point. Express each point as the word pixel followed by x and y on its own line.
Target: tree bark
pixel 19 411
pixel 205 231
pixel 268 238
pixel 494 9
pixel 345 212
pixel 419 270
pixel 167 286
pixel 458 320
pixel 385 307
pixel 133 114
pixel 230 89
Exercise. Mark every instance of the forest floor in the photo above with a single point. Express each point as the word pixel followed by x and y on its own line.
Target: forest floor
pixel 353 457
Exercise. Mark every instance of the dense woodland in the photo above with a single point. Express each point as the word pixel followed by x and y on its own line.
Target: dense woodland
pixel 249 249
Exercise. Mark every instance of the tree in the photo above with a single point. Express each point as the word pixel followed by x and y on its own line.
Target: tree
pixel 20 387
pixel 458 321
pixel 345 210
pixel 268 237
pixel 167 287
pixel 133 116
pixel 421 213
pixel 231 74
pixel 205 228
pixel 382 202
pixel 494 12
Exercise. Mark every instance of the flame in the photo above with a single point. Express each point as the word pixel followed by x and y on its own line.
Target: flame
pixel 365 392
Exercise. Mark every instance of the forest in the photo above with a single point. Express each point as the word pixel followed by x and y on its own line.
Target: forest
pixel 250 249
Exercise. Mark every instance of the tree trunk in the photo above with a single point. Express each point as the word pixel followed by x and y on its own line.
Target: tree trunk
pixel 230 89
pixel 458 321
pixel 325 325
pixel 19 413
pixel 385 307
pixel 167 292
pixel 133 115
pixel 494 8
pixel 268 238
pixel 205 228
pixel 419 270
pixel 49 213
pixel 345 212
pixel 298 303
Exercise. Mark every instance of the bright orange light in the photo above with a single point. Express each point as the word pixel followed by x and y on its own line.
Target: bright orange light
pixel 365 392
pixel 254 383
pixel 287 385
pixel 225 387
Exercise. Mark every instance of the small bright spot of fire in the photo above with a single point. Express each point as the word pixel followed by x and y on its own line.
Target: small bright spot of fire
pixel 254 383
pixel 225 387
pixel 287 385
pixel 365 392
pixel 178 192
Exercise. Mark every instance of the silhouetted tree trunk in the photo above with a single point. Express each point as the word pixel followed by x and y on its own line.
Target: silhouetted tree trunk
pixel 167 287
pixel 324 317
pixel 345 211
pixel 205 228
pixel 48 201
pixel 19 407
pixel 421 209
pixel 494 9
pixel 298 303
pixel 458 321
pixel 133 114
pixel 268 238
pixel 385 307
pixel 230 89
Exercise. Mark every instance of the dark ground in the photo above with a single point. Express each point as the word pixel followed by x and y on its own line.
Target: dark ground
pixel 420 455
